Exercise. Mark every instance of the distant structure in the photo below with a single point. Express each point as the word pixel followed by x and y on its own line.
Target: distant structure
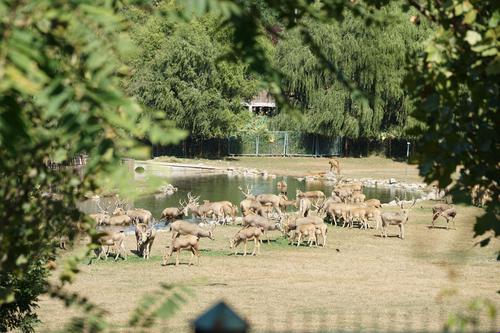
pixel 263 104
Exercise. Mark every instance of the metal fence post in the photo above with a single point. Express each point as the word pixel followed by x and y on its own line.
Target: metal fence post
pixel 257 145
pixel 285 139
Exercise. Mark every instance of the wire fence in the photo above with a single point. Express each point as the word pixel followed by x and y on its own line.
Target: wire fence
pixel 284 143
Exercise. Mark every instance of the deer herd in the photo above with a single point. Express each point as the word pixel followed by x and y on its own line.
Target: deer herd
pixel 260 215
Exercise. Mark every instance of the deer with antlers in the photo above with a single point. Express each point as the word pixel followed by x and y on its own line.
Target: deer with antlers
pixel 197 210
pixel 249 205
pixel 396 218
pixel 174 213
pixel 261 222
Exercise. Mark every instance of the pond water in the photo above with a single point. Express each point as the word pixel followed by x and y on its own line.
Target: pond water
pixel 216 187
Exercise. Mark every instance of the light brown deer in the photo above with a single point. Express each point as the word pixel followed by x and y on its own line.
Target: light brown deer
pixel 396 218
pixel 181 227
pixel 334 165
pixel 115 240
pixel 282 187
pixel 448 212
pixel 244 235
pixel 261 222
pixel 188 242
pixel 145 236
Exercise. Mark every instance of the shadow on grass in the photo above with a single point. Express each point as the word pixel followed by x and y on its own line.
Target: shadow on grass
pixel 440 227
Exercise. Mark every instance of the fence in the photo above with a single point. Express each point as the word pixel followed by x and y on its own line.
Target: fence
pixel 284 143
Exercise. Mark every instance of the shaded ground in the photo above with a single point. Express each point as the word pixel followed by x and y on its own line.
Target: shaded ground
pixel 367 167
pixel 358 281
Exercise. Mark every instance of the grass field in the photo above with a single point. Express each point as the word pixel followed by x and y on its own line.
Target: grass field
pixel 358 281
pixel 364 167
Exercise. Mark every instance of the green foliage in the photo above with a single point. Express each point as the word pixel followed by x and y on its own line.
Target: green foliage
pixel 60 96
pixel 372 58
pixel 27 287
pixel 178 70
pixel 455 86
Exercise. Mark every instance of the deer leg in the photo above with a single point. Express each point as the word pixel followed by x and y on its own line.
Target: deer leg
pixel 255 244
pixel 298 240
pixel 177 257
pixel 191 258
pixel 245 248
pixel 122 246
pixel 402 230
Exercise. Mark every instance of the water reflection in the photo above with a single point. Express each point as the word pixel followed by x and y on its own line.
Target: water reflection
pixel 217 187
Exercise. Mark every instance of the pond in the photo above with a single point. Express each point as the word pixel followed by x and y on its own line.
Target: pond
pixel 216 187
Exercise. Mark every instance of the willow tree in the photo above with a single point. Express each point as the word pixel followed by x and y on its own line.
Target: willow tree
pixel 178 71
pixel 371 57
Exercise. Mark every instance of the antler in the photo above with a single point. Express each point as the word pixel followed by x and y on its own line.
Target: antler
pixel 248 192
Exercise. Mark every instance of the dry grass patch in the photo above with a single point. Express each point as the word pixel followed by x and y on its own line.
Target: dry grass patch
pixel 358 280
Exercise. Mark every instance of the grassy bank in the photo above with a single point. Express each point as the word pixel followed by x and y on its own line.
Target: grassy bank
pixel 358 280
pixel 365 167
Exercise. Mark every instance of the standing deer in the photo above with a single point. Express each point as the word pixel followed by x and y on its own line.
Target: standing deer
pixel 261 222
pixel 181 227
pixel 116 240
pixel 188 242
pixel 173 213
pixel 396 218
pixel 249 204
pixel 145 236
pixel 282 187
pixel 334 165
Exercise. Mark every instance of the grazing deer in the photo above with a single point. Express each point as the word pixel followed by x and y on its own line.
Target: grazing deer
pixel 448 212
pixel 304 230
pixel 396 218
pixel 145 236
pixel 244 235
pixel 304 207
pixel 181 227
pixel 358 198
pixel 116 240
pixel 261 222
pixel 100 218
pixel 119 217
pixel 188 242
pixel 334 165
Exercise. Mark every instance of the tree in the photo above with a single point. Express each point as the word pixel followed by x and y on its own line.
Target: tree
pixel 178 71
pixel 60 96
pixel 455 84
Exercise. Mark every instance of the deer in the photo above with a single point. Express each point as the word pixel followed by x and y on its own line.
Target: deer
pixel 181 227
pixel 271 200
pixel 304 206
pixel 222 210
pixel 140 215
pixel 119 217
pixel 311 195
pixel 285 203
pixel 102 217
pixel 357 198
pixel 249 204
pixel 197 210
pixel 145 236
pixel 304 230
pixel 174 213
pixel 244 235
pixel 334 165
pixel 263 223
pixel 448 212
pixel 116 240
pixel 396 218
pixel 373 203
pixel 282 187
pixel 188 242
